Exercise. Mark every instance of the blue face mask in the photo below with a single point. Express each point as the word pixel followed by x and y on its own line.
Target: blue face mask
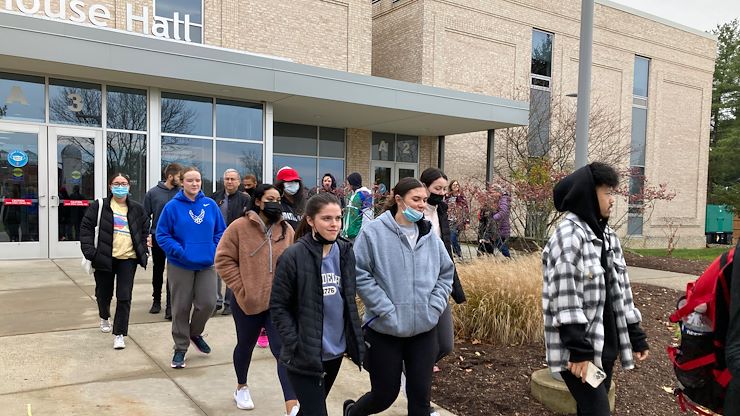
pixel 119 191
pixel 412 214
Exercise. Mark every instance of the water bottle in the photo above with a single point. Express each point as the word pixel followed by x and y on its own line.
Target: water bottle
pixel 697 322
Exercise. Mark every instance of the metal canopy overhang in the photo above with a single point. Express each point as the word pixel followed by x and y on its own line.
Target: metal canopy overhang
pixel 299 93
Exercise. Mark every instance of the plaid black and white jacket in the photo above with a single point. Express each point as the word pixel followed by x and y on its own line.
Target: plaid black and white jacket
pixel 574 290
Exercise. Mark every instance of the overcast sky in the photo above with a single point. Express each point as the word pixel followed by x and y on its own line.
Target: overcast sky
pixel 704 15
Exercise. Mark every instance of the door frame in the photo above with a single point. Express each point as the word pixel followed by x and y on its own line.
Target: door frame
pixel 67 249
pixel 40 248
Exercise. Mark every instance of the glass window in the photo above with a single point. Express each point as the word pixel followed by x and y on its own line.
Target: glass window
pixel 73 102
pixel 190 152
pixel 407 149
pixel 639 127
pixel 406 173
pixel 167 8
pixel 126 152
pixel 634 224
pixel 21 97
pixel 333 166
pixel 126 109
pixel 294 139
pixel 642 70
pixel 19 181
pixel 244 157
pixel 306 167
pixel 384 145
pixel 538 140
pixel 331 142
pixel 541 53
pixel 185 114
pixel 237 120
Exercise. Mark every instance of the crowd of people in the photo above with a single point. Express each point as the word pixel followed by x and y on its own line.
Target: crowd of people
pixel 293 262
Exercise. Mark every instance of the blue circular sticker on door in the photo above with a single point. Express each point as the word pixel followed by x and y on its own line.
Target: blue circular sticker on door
pixel 18 158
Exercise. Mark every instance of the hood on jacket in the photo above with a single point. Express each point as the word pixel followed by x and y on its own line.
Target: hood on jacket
pixel 388 219
pixel 576 193
pixel 181 196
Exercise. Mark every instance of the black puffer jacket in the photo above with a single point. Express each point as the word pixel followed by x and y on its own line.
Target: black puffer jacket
pixel 458 294
pixel 297 305
pixel 102 257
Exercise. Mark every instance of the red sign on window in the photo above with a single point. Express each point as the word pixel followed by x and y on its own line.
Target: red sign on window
pixel 76 203
pixel 18 201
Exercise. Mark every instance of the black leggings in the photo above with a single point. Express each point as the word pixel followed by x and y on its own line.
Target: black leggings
pixel 312 390
pixel 248 328
pixel 590 401
pixel 122 278
pixel 386 357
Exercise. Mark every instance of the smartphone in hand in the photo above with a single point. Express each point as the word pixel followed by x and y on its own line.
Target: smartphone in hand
pixel 594 375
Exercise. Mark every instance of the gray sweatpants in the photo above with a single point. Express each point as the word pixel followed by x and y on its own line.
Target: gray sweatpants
pixel 445 333
pixel 191 291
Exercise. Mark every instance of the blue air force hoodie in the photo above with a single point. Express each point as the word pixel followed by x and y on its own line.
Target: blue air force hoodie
pixel 189 231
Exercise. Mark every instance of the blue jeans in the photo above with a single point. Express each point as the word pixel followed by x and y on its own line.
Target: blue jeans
pixel 502 246
pixel 455 241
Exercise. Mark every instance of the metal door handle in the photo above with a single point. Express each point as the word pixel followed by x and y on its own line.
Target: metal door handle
pixel 42 200
pixel 54 201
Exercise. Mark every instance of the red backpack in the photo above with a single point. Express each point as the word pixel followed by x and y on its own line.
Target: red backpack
pixel 699 360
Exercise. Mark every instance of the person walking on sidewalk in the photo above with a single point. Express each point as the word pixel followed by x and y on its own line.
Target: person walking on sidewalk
pixel 313 304
pixel 188 231
pixel 404 278
pixel 500 217
pixel 154 202
pixel 436 213
pixel 292 192
pixel 587 304
pixel 121 246
pixel 359 209
pixel 245 260
pixel 233 204
pixel 458 215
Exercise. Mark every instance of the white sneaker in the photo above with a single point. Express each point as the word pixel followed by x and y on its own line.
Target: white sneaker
pixel 294 410
pixel 105 325
pixel 118 343
pixel 243 399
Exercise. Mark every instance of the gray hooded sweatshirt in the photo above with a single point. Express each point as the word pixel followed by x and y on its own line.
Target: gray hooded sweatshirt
pixel 155 200
pixel 405 289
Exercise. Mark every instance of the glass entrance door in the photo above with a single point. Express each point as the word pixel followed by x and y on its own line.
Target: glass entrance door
pixel 23 196
pixel 75 181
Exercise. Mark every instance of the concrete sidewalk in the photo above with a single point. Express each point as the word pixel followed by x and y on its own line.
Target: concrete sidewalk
pixel 55 360
pixel 660 278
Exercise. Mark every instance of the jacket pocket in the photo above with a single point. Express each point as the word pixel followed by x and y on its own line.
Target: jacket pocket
pixel 199 254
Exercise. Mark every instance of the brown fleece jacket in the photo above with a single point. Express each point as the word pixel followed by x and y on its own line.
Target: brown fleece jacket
pixel 246 257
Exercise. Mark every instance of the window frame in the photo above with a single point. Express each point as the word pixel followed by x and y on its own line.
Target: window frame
pixel 171 21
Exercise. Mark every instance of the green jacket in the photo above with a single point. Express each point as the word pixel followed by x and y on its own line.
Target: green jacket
pixel 359 209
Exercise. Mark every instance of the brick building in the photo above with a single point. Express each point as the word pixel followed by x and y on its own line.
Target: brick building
pixel 321 85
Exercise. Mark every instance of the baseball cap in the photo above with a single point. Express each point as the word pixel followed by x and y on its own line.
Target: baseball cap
pixel 288 174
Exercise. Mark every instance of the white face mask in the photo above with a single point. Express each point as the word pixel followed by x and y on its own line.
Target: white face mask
pixel 291 188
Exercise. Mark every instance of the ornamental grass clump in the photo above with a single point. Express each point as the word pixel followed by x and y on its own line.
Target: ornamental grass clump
pixel 504 303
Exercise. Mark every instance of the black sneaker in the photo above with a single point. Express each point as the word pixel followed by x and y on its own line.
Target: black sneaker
pixel 168 313
pixel 178 360
pixel 156 308
pixel 201 344
pixel 227 310
pixel 346 406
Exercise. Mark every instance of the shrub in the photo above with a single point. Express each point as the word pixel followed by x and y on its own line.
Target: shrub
pixel 504 300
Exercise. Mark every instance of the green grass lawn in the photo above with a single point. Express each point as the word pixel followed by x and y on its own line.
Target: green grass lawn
pixel 685 253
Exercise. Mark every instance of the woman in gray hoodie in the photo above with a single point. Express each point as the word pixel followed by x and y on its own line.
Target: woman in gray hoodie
pixel 404 278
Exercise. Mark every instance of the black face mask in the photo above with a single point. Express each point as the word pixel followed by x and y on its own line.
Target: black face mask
pixel 272 210
pixel 320 238
pixel 435 199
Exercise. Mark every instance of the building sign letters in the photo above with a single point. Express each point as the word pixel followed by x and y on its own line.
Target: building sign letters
pixel 100 15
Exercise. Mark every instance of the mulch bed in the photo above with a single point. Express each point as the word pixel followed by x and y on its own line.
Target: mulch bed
pixel 482 379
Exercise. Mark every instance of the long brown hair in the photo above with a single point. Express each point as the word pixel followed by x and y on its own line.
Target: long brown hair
pixel 401 189
pixel 313 206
